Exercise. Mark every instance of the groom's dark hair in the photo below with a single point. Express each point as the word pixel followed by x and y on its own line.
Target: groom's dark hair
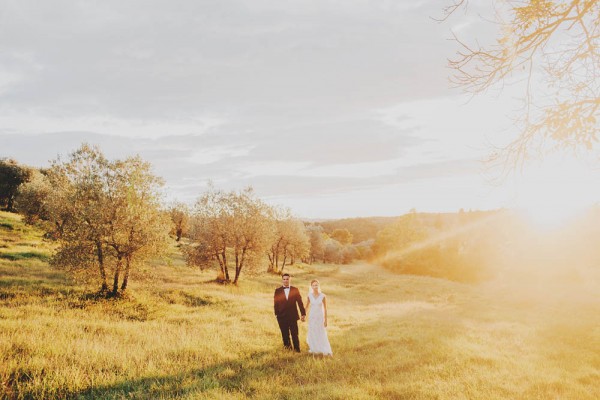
pixel 286 274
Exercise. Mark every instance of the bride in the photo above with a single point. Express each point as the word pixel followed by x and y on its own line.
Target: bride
pixel 317 321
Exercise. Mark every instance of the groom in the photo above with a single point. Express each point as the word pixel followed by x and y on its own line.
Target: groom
pixel 286 298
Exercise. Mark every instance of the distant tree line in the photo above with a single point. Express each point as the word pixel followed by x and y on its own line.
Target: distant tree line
pixel 108 219
pixel 232 231
pixel 456 246
pixel 362 229
pixel 335 247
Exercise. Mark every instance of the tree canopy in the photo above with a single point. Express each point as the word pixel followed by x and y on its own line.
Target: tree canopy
pixel 553 48
pixel 12 175
pixel 106 214
pixel 290 241
pixel 233 229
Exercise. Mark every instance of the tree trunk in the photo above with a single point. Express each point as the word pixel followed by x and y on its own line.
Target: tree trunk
pixel 284 259
pixel 10 203
pixel 128 256
pixel 116 278
pixel 238 267
pixel 100 255
pixel 237 274
pixel 179 233
pixel 126 277
pixel 238 270
pixel 221 274
pixel 59 229
pixel 226 270
pixel 271 256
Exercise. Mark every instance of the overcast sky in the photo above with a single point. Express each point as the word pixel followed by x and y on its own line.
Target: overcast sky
pixel 333 108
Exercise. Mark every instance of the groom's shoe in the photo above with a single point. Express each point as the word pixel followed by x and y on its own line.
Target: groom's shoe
pixel 297 350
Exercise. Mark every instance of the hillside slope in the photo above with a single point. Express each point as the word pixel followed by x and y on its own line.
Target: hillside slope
pixel 180 335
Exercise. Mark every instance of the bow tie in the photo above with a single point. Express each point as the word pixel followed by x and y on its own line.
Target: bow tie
pixel 285 287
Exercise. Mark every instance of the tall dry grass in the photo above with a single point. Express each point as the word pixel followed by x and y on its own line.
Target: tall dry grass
pixel 180 335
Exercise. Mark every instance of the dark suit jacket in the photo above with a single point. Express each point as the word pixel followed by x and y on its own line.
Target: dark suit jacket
pixel 288 308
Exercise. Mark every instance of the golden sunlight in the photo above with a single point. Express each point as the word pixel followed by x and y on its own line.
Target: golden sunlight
pixel 556 191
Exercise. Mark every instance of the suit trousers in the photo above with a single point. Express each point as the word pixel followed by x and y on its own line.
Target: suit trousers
pixel 289 327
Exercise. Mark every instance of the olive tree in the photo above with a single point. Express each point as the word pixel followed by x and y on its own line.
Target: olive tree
pixel 290 241
pixel 12 175
pixel 180 218
pixel 232 229
pixel 107 214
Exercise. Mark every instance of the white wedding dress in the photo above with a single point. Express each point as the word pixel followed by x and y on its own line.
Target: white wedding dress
pixel 317 333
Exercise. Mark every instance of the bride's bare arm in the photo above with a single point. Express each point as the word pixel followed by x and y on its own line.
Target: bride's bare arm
pixel 325 311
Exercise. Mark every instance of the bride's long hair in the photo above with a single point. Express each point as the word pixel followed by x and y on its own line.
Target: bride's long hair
pixel 310 289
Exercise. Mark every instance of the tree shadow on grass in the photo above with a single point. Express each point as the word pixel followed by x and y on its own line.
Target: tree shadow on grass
pixel 183 297
pixel 16 291
pixel 33 273
pixel 25 255
pixel 229 377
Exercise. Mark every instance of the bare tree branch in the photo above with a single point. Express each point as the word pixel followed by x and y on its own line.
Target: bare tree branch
pixel 556 44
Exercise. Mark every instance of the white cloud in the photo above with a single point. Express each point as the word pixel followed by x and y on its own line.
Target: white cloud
pixel 19 123
pixel 307 101
pixel 454 127
pixel 215 154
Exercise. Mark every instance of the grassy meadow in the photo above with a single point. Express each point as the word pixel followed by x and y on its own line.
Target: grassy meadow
pixel 180 335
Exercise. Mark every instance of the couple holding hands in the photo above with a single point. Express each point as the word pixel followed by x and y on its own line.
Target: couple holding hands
pixel 287 301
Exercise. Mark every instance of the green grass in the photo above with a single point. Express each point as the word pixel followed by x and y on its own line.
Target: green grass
pixel 6 225
pixel 180 335
pixel 24 256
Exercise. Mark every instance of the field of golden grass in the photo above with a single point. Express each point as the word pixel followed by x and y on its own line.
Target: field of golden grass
pixel 180 335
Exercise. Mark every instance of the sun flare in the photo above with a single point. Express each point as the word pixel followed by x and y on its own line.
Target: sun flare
pixel 555 192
